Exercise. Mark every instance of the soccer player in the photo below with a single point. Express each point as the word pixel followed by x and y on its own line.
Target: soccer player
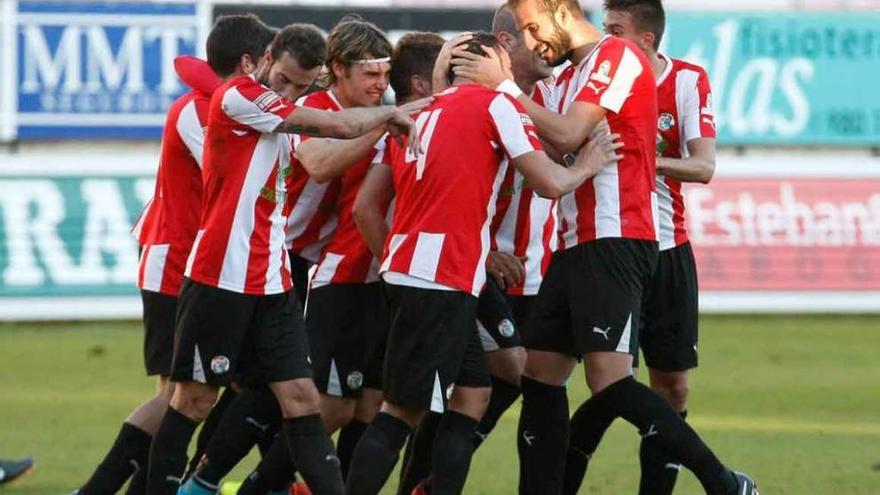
pixel 289 67
pixel 590 301
pixel 434 267
pixel 165 231
pixel 235 311
pixel 686 152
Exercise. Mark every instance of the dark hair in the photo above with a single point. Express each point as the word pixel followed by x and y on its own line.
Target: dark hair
pixel 354 39
pixel 414 55
pixel 234 36
pixel 551 5
pixel 304 42
pixel 475 45
pixel 648 15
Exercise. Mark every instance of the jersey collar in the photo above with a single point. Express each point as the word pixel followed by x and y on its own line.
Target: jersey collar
pixel 666 71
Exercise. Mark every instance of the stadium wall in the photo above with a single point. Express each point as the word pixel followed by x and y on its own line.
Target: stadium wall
pixel 791 223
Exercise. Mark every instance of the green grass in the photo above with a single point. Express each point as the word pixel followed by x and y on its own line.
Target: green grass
pixel 795 401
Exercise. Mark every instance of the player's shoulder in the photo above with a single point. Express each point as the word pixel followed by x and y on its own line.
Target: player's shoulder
pixel 321 100
pixel 679 65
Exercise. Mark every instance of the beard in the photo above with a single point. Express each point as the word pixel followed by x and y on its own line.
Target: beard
pixel 561 46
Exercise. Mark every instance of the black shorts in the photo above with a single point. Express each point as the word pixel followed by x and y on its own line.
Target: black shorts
pixel 591 298
pixel 670 312
pixel 299 272
pixel 224 336
pixel 431 337
pixel 496 323
pixel 346 325
pixel 522 307
pixel 159 313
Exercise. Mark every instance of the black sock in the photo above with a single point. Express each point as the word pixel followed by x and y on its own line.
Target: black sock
pixel 138 483
pixel 209 426
pixel 347 441
pixel 588 426
pixel 417 465
pixel 659 470
pixel 504 394
pixel 168 453
pixel 453 449
pixel 375 455
pixel 130 452
pixel 251 416
pixel 542 438
pixel 654 417
pixel 274 472
pixel 313 454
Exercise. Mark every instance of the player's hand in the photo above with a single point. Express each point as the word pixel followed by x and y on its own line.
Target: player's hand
pixel 598 153
pixel 507 269
pixel 488 70
pixel 416 106
pixel 441 65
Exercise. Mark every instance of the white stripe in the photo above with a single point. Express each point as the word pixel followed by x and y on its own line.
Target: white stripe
pixel 278 223
pixel 510 127
pixel 139 225
pixel 485 244
pixel 154 266
pixel 191 132
pixel 393 246
pixel 305 208
pixel 687 102
pixel 334 386
pixel 620 88
pixel 486 340
pixel 198 371
pixel 568 211
pixel 607 213
pixel 437 395
pixel 193 251
pixel 665 212
pixel 506 233
pixel 326 270
pixel 426 255
pixel 233 274
pixel 246 112
pixel 623 344
pixel 540 212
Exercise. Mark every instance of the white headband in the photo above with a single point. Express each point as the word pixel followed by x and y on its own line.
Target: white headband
pixel 372 61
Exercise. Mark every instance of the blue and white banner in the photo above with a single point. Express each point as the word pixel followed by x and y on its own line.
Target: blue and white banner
pixel 96 69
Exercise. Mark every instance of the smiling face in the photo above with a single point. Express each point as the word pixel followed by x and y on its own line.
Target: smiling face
pixel 543 31
pixel 362 84
pixel 287 77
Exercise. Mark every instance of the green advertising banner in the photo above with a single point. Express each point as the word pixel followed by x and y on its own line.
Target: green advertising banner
pixel 786 78
pixel 69 236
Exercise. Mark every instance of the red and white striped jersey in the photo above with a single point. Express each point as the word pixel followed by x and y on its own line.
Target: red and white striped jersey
pixel 445 198
pixel 312 219
pixel 525 222
pixel 240 243
pixel 684 100
pixel 619 201
pixel 347 259
pixel 167 227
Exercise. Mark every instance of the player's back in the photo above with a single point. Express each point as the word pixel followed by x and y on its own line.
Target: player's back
pixel 445 197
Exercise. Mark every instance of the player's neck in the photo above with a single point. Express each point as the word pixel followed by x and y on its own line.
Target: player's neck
pixel 657 62
pixel 526 85
pixel 584 37
pixel 340 96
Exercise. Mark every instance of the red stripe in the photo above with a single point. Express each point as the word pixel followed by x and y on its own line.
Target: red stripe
pixel 502 205
pixel 258 261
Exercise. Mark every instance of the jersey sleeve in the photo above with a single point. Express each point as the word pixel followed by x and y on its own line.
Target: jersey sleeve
pixel 253 105
pixel 698 120
pixel 191 127
pixel 544 95
pixel 516 131
pixel 611 80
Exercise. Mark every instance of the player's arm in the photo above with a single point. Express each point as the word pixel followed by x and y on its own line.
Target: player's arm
pixel 565 132
pixel 698 131
pixel 552 180
pixel 439 77
pixel 351 123
pixel 327 158
pixel 698 167
pixel 372 201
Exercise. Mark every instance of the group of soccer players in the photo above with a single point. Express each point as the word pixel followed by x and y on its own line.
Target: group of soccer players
pixel 402 274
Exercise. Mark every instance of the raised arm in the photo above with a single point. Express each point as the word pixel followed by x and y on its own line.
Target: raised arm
pixel 328 158
pixel 372 201
pixel 699 166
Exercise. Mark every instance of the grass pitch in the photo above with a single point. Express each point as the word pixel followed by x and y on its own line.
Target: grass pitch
pixel 794 401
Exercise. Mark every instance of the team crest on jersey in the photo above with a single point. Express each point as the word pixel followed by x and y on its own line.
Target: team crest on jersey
pixel 603 73
pixel 219 365
pixel 355 380
pixel 666 121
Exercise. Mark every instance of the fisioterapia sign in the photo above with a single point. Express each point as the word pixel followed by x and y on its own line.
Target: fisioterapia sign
pixel 786 78
pixel 89 69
